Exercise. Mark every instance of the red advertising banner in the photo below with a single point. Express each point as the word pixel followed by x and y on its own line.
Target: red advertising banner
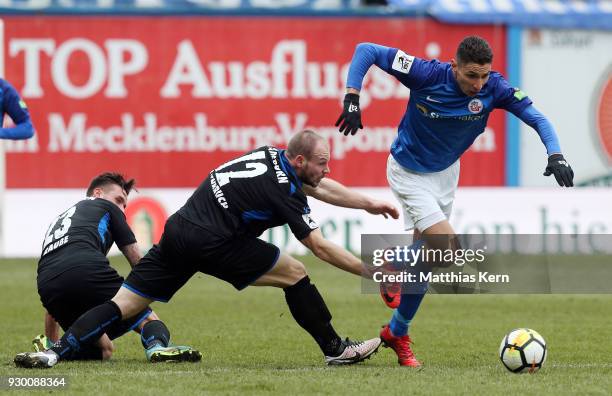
pixel 166 99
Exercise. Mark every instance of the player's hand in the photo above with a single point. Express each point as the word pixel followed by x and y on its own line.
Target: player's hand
pixel 384 208
pixel 558 166
pixel 350 119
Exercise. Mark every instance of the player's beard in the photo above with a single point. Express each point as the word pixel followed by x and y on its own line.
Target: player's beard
pixel 312 181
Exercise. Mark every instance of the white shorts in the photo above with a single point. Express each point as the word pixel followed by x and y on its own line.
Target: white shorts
pixel 426 198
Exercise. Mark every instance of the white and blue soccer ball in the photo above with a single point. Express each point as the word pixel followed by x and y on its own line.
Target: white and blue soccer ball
pixel 523 351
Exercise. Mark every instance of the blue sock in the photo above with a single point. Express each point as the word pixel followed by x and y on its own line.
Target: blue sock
pixel 403 315
pixel 402 265
pixel 412 295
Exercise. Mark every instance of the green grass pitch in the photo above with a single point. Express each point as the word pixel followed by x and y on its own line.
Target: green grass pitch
pixel 251 345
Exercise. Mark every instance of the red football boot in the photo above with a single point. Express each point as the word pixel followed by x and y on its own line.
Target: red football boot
pixel 401 346
pixel 391 294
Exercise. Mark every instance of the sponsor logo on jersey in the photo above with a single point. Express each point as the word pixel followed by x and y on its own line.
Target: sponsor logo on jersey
pixel 422 109
pixel 434 115
pixel 475 106
pixel 430 99
pixel 402 62
pixel 23 104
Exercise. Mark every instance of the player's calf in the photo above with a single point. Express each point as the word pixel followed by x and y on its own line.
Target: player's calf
pixel 84 332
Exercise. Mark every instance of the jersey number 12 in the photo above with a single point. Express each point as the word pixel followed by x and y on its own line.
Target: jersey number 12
pixel 253 168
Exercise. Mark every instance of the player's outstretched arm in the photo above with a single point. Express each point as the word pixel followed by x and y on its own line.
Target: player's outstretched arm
pixel 131 253
pixel 557 164
pixel 334 254
pixel 366 55
pixel 335 193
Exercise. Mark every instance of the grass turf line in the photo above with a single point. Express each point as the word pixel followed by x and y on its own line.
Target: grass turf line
pixel 250 343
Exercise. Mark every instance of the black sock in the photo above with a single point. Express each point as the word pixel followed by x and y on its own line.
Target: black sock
pixel 87 329
pixel 154 333
pixel 87 352
pixel 309 310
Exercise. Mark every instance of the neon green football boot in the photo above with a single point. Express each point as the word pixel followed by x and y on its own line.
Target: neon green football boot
pixel 174 353
pixel 41 343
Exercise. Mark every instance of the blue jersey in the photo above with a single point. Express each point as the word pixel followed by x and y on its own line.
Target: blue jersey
pixel 441 122
pixel 15 107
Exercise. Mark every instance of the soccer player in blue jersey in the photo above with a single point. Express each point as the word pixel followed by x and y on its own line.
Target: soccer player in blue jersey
pixel 16 108
pixel 449 107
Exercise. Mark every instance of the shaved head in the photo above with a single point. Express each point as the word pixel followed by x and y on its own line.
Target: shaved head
pixel 308 153
pixel 303 143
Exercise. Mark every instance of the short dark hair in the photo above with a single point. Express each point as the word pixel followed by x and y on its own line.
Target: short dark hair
pixel 302 143
pixel 474 49
pixel 106 178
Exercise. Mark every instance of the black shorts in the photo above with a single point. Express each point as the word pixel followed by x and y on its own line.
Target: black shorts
pixel 186 248
pixel 80 287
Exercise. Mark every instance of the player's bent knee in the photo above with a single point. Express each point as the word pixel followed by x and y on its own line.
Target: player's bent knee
pixel 439 238
pixel 297 272
pixel 287 272
pixel 130 303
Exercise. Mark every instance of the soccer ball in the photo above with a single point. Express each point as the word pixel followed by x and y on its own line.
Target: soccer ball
pixel 523 351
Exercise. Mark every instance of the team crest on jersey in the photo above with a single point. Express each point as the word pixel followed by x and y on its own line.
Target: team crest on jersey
pixel 475 106
pixel 402 62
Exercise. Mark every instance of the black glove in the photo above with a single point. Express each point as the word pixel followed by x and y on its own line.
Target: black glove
pixel 351 115
pixel 558 166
